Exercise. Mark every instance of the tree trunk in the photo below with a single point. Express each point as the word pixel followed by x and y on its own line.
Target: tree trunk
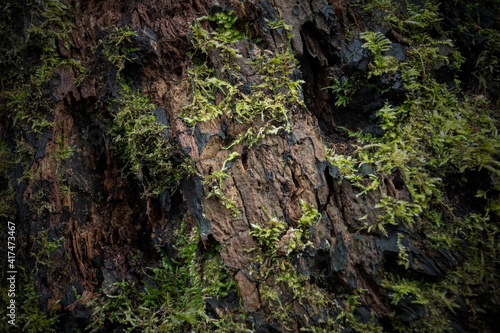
pixel 91 207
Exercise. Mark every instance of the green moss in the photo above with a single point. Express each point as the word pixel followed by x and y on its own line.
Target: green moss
pixel 29 317
pixel 281 286
pixel 45 250
pixel 7 204
pixel 213 183
pixel 343 91
pixel 140 141
pixel 269 103
pixel 26 99
pixel 172 299
pixel 436 132
pixel 116 47
pixel 431 297
pixel 264 108
pixel 377 44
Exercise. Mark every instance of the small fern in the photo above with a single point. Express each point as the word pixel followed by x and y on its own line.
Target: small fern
pixel 375 42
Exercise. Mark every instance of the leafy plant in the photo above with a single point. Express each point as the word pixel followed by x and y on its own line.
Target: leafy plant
pixel 343 90
pixel 45 247
pixel 269 101
pixel 348 168
pixel 430 297
pixel 436 132
pixel 349 317
pixel 281 286
pixel 377 44
pixel 225 22
pixel 395 212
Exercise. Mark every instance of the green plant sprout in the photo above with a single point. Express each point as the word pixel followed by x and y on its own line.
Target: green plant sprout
pixel 214 182
pixel 343 91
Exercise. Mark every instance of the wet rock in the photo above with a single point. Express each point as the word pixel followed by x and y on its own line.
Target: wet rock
pixel 355 57
pixel 409 311
pixel 366 170
pixel 108 287
pixel 82 312
pixel 339 256
pixel 192 191
pixel 364 314
pixel 73 290
pixel 161 118
pixel 418 262
pixel 396 51
pixel 42 143
pixel 200 138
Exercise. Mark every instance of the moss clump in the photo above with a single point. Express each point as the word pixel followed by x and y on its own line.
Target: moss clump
pixel 140 141
pixel 437 131
pixel 172 299
pixel 116 47
pixel 263 107
pixel 27 102
pixel 224 94
pixel 283 289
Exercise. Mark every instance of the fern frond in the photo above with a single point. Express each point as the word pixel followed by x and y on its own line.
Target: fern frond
pixel 375 42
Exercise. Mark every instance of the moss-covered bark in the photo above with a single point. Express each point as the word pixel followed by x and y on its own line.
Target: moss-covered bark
pixel 228 166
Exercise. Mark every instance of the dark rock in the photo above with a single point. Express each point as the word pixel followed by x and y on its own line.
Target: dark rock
pixel 150 34
pixel 71 327
pixel 291 139
pixel 423 264
pixel 355 57
pixel 365 170
pixel 333 171
pixel 246 88
pixel 364 314
pixel 161 118
pixel 396 51
pixel 42 143
pixel 339 255
pixel 267 13
pixel 367 100
pixel 419 263
pixel 165 201
pixel 72 290
pixel 192 190
pixel 374 130
pixel 328 12
pixel 108 287
pixel 200 138
pixel 410 311
pixel 352 281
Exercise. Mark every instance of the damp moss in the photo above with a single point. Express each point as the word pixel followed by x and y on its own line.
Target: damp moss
pixel 141 143
pixel 172 296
